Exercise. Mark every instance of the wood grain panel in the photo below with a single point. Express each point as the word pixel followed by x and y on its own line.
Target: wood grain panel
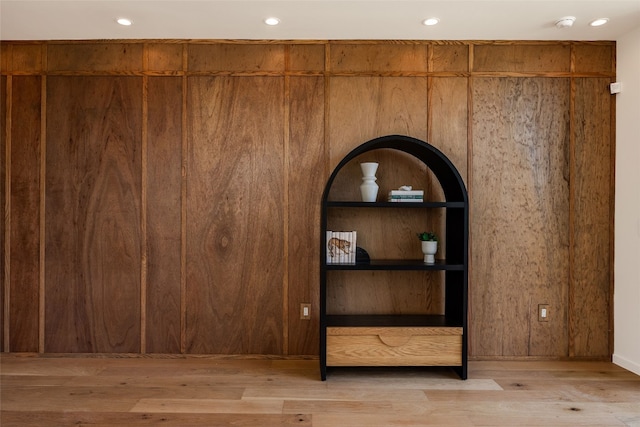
pixel 306 183
pixel 25 213
pixel 164 181
pixel 26 57
pixel 5 57
pixel 595 58
pixel 590 288
pixel 3 210
pixel 390 105
pixel 385 293
pixel 520 211
pixel 236 57
pixel 452 58
pixel 383 106
pixel 522 58
pixel 306 57
pixel 94 57
pixel 448 111
pixel 93 214
pixel 235 214
pixel 351 58
pixel 164 56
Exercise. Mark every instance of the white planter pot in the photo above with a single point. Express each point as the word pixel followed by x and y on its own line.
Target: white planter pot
pixel 429 249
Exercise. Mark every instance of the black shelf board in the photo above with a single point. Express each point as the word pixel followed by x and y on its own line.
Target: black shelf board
pixel 346 204
pixel 391 320
pixel 397 264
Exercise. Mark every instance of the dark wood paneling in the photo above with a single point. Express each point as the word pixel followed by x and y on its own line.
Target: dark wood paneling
pixel 522 58
pixel 520 212
pixel 235 242
pixel 237 173
pixel 305 185
pixel 5 58
pixel 26 57
pixel 378 58
pixel 452 58
pixel 385 105
pixel 25 213
pixel 595 58
pixel 94 57
pixel 448 113
pixel 164 56
pixel 3 171
pixel 164 180
pixel 236 57
pixel 93 214
pixel 362 108
pixel 590 288
pixel 306 57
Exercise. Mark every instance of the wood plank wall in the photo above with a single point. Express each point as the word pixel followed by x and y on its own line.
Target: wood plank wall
pixel 163 196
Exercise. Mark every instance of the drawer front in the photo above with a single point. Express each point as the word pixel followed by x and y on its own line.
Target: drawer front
pixel 393 348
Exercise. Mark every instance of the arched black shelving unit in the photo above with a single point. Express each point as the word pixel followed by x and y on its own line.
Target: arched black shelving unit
pixel 432 332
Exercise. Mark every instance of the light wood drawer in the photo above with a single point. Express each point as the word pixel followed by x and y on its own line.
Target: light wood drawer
pixel 430 346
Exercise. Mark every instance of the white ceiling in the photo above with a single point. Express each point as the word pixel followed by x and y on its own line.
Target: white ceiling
pixel 315 19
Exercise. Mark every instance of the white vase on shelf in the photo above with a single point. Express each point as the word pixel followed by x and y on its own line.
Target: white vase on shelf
pixel 369 188
pixel 429 249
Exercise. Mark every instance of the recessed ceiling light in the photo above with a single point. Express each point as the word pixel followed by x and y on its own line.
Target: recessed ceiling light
pixel 272 21
pixel 124 21
pixel 598 22
pixel 430 21
pixel 565 22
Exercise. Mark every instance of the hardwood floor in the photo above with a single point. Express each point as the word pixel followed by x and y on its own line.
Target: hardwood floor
pixel 56 391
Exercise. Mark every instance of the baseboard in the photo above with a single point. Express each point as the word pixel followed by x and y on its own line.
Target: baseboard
pixel 538 359
pixel 158 356
pixel 627 364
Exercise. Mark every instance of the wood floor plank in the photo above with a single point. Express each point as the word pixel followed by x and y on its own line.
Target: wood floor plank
pixel 541 413
pixel 324 406
pixel 320 392
pixel 438 379
pixel 110 419
pixel 210 406
pixel 34 380
pixel 333 419
pixel 48 398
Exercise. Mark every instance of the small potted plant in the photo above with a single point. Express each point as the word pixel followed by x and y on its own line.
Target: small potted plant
pixel 429 245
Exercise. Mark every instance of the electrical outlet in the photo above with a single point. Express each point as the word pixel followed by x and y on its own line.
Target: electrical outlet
pixel 305 311
pixel 543 312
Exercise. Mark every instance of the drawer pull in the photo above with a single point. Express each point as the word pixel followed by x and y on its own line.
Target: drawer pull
pixel 395 340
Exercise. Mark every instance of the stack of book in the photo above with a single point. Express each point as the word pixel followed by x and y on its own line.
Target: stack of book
pixel 406 196
pixel 341 247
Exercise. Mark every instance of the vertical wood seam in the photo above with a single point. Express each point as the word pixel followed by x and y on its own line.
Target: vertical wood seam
pixel 327 108
pixel 183 207
pixel 429 93
pixel 612 200
pixel 143 203
pixel 285 227
pixel 7 213
pixel 572 166
pixel 43 175
pixel 469 193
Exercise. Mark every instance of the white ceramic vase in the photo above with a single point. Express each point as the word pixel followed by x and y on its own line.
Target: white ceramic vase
pixel 429 249
pixel 369 188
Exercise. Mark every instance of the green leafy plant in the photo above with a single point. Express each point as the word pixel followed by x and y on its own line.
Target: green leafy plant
pixel 427 236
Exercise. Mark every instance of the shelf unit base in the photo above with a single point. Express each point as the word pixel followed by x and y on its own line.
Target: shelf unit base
pixel 394 346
